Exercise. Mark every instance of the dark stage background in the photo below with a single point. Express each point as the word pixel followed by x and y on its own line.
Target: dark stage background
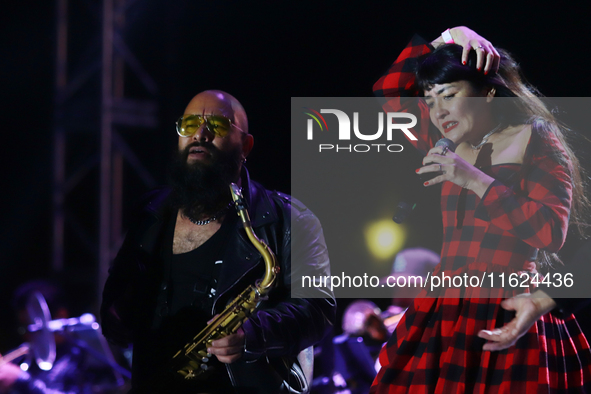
pixel 263 53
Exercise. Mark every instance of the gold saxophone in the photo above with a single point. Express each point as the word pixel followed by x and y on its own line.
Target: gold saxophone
pixel 191 361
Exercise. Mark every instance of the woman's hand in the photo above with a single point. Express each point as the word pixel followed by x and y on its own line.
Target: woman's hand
pixel 454 169
pixel 528 309
pixel 486 54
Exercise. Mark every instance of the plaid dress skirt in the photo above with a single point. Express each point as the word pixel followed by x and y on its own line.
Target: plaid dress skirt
pixel 435 347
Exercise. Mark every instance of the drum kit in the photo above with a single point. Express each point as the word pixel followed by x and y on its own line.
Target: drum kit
pixel 82 333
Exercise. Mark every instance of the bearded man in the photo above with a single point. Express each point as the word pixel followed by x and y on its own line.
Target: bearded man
pixel 187 255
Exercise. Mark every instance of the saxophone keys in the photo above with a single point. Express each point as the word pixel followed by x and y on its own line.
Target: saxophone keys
pixel 184 373
pixel 187 373
pixel 204 354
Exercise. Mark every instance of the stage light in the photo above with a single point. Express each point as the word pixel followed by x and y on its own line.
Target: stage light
pixel 87 319
pixel 384 238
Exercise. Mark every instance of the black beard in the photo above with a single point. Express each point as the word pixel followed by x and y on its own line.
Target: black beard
pixel 200 190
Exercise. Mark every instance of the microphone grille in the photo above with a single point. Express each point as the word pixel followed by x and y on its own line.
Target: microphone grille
pixel 446 142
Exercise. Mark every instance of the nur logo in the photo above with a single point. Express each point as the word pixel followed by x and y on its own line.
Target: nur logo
pixel 345 124
pixel 314 116
pixel 344 133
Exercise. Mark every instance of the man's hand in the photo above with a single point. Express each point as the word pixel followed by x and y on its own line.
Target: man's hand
pixel 528 309
pixel 230 348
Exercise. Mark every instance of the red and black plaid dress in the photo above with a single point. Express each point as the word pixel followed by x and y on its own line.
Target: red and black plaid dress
pixel 435 348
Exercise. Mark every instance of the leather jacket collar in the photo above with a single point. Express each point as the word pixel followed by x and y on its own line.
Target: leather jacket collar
pixel 259 205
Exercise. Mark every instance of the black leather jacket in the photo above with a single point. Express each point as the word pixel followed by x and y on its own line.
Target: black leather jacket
pixel 280 329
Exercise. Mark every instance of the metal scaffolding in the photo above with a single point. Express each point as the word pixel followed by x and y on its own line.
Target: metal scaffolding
pixel 83 111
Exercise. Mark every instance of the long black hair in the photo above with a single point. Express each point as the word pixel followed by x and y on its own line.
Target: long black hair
pixel 444 65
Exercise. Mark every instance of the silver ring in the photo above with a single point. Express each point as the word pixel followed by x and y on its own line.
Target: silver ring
pixel 440 168
pixel 444 150
pixel 480 47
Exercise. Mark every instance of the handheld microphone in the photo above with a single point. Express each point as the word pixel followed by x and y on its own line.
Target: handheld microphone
pixel 408 204
pixel 446 142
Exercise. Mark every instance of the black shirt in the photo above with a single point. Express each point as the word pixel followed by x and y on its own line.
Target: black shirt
pixel 191 289
pixel 194 275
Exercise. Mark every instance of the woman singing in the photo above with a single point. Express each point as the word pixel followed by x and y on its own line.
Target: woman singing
pixel 507 194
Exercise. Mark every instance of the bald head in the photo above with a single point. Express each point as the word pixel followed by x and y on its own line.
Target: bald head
pixel 216 102
pixel 219 103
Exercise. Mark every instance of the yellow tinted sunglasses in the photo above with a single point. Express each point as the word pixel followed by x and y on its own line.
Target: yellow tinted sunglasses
pixel 219 125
